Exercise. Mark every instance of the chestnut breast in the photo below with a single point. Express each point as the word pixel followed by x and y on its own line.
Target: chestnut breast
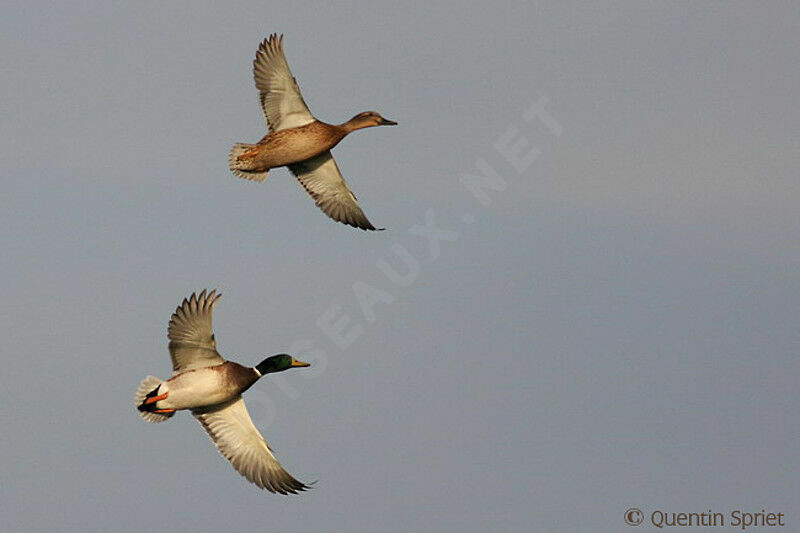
pixel 237 377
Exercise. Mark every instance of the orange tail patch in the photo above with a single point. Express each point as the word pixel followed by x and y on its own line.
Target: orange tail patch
pixel 154 399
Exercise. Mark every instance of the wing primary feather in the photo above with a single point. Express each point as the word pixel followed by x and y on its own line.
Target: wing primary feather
pixel 279 94
pixel 231 430
pixel 322 180
pixel 192 343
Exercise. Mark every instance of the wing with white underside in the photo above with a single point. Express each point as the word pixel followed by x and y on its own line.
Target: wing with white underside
pixel 191 339
pixel 321 178
pixel 237 439
pixel 279 94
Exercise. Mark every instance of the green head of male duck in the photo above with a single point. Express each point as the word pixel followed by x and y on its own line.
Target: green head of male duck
pixel 369 119
pixel 279 363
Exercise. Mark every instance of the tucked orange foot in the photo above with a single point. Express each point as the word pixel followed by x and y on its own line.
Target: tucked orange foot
pixel 164 411
pixel 154 399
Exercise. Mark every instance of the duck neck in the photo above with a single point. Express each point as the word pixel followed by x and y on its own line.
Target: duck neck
pixel 276 363
pixel 350 126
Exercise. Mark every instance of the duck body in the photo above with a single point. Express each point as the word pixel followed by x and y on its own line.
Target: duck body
pixel 298 140
pixel 211 389
pixel 286 147
pixel 205 387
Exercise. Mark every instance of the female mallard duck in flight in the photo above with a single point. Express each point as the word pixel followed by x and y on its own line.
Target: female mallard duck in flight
pixel 211 388
pixel 298 140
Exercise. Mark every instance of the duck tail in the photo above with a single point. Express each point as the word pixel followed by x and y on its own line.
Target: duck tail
pixel 243 166
pixel 147 388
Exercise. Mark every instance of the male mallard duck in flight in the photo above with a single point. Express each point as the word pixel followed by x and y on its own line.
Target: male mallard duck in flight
pixel 298 140
pixel 211 388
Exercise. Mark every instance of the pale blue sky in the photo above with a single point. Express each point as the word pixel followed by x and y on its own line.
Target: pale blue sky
pixel 617 328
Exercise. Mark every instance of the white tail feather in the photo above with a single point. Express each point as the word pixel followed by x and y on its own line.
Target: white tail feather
pixel 240 168
pixel 147 385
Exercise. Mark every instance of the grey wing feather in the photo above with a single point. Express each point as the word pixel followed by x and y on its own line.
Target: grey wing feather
pixel 232 431
pixel 321 178
pixel 191 338
pixel 279 94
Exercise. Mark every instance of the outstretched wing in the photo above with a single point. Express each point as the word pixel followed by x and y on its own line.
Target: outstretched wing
pixel 237 439
pixel 191 339
pixel 279 94
pixel 320 177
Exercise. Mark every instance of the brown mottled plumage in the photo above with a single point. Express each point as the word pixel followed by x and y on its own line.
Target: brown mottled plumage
pixel 298 140
pixel 284 147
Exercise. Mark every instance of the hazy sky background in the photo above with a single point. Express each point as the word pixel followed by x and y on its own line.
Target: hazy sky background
pixel 617 328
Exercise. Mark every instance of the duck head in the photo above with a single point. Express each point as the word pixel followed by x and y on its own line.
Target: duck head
pixel 279 363
pixel 368 119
